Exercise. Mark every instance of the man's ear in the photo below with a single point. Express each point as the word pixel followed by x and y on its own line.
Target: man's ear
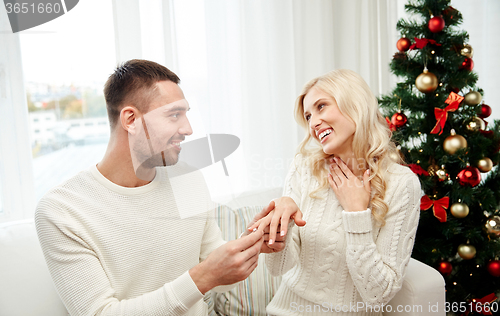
pixel 128 115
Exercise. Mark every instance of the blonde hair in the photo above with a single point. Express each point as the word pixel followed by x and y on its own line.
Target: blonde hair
pixel 372 137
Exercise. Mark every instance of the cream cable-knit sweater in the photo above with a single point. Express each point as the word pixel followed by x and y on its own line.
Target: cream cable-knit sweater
pixel 340 260
pixel 113 250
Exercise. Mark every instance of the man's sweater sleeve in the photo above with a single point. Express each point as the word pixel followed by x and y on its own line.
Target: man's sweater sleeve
pixel 378 269
pixel 82 282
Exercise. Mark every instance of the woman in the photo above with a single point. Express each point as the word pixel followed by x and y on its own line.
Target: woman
pixel 361 206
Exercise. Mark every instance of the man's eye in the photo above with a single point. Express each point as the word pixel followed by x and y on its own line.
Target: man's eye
pixel 175 115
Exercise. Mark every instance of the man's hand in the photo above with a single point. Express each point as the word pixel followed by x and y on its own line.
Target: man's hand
pixel 230 263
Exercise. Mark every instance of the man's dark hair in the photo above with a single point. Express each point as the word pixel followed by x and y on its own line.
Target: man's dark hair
pixel 132 83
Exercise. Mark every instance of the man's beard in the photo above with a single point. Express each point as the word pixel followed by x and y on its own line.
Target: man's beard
pixel 161 159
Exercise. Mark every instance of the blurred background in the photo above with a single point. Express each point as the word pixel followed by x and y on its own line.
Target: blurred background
pixel 241 63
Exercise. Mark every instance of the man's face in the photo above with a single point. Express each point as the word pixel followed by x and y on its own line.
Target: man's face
pixel 158 133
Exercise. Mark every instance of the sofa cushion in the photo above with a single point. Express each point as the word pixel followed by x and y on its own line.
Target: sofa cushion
pixel 251 296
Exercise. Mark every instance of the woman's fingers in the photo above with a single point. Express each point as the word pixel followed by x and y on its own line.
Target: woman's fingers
pixel 366 180
pixel 275 221
pixel 337 175
pixel 343 167
pixel 332 182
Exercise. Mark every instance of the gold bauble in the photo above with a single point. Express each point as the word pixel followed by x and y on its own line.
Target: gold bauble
pixel 453 143
pixel 492 226
pixel 467 51
pixel 441 174
pixel 432 170
pixel 473 98
pixel 476 124
pixel 396 156
pixel 459 210
pixel 485 164
pixel 466 251
pixel 426 82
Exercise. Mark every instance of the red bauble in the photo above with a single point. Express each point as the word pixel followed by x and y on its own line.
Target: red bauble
pixel 485 111
pixel 403 44
pixel 398 119
pixel 494 268
pixel 469 176
pixel 445 268
pixel 467 64
pixel 436 24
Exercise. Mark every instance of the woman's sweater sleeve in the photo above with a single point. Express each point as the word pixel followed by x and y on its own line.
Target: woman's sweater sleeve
pixel 280 262
pixel 83 284
pixel 378 269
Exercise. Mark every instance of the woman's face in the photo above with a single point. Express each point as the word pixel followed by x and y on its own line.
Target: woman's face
pixel 327 125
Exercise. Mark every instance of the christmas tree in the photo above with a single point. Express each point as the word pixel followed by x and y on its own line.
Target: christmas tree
pixel 436 113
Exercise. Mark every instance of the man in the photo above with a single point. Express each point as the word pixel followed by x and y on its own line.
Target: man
pixel 113 236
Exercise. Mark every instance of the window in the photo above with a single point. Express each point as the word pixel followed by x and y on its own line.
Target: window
pixel 64 90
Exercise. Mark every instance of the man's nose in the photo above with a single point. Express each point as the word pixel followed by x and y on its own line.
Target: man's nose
pixel 185 128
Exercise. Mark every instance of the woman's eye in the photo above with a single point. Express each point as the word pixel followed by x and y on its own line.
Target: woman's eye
pixel 308 117
pixel 320 106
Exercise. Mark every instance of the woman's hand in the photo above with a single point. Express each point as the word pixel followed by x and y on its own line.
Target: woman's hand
pixel 352 194
pixel 285 210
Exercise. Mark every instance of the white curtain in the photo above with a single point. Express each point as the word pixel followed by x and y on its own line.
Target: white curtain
pixel 17 199
pixel 481 21
pixel 242 64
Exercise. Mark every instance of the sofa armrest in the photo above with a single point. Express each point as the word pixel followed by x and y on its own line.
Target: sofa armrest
pixel 26 287
pixel 423 292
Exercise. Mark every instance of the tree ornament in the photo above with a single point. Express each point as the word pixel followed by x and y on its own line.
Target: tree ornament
pixel 454 142
pixel 436 24
pixel 432 170
pixel 441 115
pixel 473 98
pixel 485 164
pixel 493 268
pixel 484 111
pixel 418 170
pixel 467 64
pixel 459 210
pixel 450 12
pixel 442 174
pixel 466 251
pixel 422 42
pixel 403 44
pixel 467 51
pixel 445 268
pixel 397 155
pixel 476 124
pixel 399 119
pixel 400 56
pixel 439 206
pixel 469 176
pixel 492 226
pixel 426 82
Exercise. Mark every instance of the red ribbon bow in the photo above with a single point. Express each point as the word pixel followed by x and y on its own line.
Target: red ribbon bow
pixel 439 206
pixel 442 114
pixel 483 305
pixel 422 42
pixel 418 170
pixel 391 126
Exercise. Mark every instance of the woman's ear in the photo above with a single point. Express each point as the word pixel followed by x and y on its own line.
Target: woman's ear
pixel 128 115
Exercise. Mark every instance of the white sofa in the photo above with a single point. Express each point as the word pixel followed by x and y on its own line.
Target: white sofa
pixel 26 288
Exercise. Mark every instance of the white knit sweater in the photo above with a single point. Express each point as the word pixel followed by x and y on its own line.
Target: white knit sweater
pixel 340 260
pixel 113 250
